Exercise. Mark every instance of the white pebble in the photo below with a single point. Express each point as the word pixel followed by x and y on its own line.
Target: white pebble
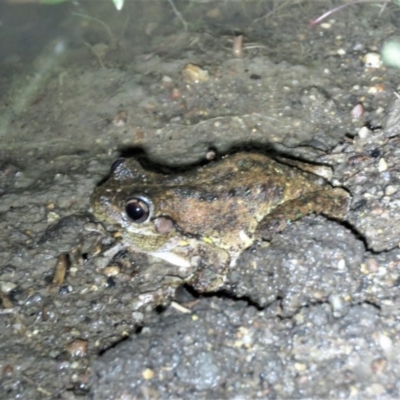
pixel 326 25
pixel 364 132
pixel 6 287
pixel 390 189
pixel 386 343
pixel 341 264
pixel 372 60
pixel 382 165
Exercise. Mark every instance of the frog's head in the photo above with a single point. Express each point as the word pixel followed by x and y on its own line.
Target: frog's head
pixel 130 200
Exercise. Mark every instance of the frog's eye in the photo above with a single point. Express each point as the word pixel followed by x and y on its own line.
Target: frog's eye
pixel 138 210
pixel 116 164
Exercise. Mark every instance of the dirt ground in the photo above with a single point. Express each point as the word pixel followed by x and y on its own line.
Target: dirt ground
pixel 312 314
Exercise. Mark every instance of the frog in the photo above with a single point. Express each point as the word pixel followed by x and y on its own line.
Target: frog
pixel 202 219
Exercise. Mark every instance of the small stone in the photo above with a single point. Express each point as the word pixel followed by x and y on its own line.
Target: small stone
pixel 341 264
pixel 357 111
pixel 364 132
pixel 338 304
pixel 326 25
pixel 386 344
pixel 137 316
pixel 376 211
pixel 382 165
pixel 390 189
pixel 175 94
pixel 194 74
pixel 372 265
pixel 378 88
pixel 210 155
pixel 112 270
pixel 8 370
pixel 50 206
pixel 364 269
pixel 300 367
pixel 6 287
pixel 120 119
pixel 372 60
pixel 52 217
pixel 78 348
pixel 166 81
pixel 148 374
pixel 379 365
pixel 341 52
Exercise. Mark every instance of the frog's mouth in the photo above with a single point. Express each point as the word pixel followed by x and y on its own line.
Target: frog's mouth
pixel 174 250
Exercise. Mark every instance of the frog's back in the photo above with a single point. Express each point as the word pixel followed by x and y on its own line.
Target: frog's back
pixel 235 193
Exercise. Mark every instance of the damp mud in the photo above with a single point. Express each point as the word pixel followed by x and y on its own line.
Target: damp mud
pixel 314 312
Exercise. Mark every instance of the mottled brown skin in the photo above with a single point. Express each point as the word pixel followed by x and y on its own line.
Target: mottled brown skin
pixel 204 218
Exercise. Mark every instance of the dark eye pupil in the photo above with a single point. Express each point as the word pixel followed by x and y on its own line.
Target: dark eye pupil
pixel 116 164
pixel 137 210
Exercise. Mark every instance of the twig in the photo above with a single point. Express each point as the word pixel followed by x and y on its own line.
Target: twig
pixel 180 308
pixel 99 21
pixel 338 8
pixel 179 15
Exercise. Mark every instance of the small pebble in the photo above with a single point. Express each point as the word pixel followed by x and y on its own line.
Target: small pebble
pixel 52 217
pixel 167 81
pixel 194 74
pixel 120 119
pixel 339 306
pixel 210 155
pixel 372 265
pixel 378 88
pixel 379 365
pixel 357 111
pixel 382 165
pixel 78 348
pixel 175 94
pixel 372 60
pixel 8 370
pixel 112 270
pixel 386 343
pixel 300 367
pixel 364 132
pixel 390 189
pixel 341 265
pixel 326 25
pixel 6 287
pixel 148 373
pixel 137 316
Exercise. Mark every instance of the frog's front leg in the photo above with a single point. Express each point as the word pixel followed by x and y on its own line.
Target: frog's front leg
pixel 332 203
pixel 211 264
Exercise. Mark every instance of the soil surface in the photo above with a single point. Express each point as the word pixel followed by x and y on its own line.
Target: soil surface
pixel 314 313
